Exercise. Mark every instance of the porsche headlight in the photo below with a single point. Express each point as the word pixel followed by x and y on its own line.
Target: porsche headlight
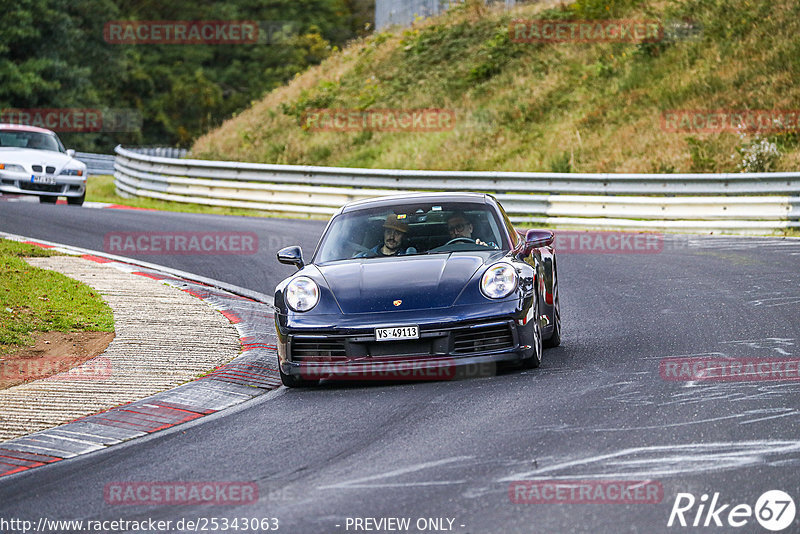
pixel 302 294
pixel 499 280
pixel 11 167
pixel 71 172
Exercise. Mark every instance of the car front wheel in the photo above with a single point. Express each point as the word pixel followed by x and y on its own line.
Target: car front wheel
pixel 535 324
pixel 555 337
pixel 76 201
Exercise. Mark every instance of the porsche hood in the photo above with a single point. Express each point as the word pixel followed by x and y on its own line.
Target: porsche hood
pixel 401 283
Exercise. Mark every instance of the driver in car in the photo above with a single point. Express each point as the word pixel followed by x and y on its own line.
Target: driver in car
pixel 394 236
pixel 36 142
pixel 459 226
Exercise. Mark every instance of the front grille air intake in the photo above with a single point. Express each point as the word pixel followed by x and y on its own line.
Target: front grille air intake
pixel 317 350
pixel 483 339
pixel 49 188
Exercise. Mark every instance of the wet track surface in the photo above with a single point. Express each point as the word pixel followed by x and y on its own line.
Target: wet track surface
pixel 598 408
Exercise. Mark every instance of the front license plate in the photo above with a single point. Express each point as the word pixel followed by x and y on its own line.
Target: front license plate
pixel 49 180
pixel 397 332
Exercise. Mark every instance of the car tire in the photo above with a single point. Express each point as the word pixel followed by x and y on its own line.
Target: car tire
pixel 76 201
pixel 47 200
pixel 555 337
pixel 536 324
pixel 295 382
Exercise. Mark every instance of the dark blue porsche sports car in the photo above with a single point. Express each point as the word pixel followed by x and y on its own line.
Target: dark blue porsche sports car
pixel 417 286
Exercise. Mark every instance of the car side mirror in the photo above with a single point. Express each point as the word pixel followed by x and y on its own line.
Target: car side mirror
pixel 538 238
pixel 291 256
pixel 70 153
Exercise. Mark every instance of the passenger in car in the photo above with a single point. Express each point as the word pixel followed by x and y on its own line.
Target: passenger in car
pixel 394 236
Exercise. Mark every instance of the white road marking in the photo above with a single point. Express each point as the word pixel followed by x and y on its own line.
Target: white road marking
pixel 793 412
pixel 667 460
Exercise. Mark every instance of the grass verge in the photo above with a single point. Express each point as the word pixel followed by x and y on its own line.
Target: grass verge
pixel 37 300
pixel 563 107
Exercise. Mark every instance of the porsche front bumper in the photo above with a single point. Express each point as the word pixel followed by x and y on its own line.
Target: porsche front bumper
pixel 443 351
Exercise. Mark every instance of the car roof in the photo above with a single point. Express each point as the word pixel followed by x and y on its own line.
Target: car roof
pixel 392 200
pixel 25 128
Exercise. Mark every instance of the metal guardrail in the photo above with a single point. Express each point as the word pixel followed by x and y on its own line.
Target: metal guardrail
pixel 104 163
pixel 164 152
pixel 96 163
pixel 754 202
pixel 405 12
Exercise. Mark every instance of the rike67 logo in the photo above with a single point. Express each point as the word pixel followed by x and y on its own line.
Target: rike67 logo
pixel 774 510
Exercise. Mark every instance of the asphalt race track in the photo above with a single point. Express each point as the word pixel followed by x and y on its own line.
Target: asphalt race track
pixel 88 228
pixel 597 409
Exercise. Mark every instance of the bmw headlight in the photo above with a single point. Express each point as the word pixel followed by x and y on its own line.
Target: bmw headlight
pixel 302 294
pixel 11 167
pixel 499 280
pixel 71 172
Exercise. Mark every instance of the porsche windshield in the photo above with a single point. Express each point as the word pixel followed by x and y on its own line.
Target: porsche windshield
pixel 412 230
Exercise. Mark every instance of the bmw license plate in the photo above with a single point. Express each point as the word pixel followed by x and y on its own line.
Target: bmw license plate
pixel 49 180
pixel 397 332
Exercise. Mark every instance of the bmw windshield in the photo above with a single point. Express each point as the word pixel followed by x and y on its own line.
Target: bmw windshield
pixel 27 139
pixel 412 230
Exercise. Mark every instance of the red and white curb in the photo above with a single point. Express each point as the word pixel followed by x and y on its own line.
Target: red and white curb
pixel 251 374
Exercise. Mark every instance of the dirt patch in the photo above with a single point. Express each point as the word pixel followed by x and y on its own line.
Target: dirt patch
pixel 65 354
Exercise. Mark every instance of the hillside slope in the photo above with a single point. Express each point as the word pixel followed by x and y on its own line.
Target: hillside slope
pixel 522 106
